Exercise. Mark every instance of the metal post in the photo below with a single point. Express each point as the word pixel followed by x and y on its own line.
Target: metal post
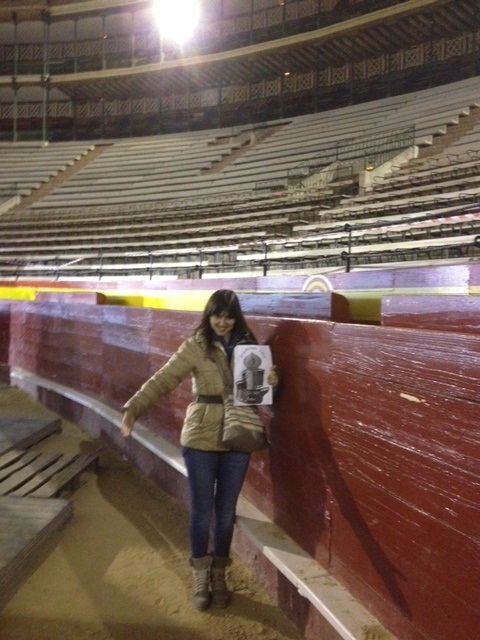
pixel 45 83
pixel 75 45
pixel 475 28
pixel 346 255
pixel 102 102
pixel 431 53
pixel 265 258
pixel 14 77
pixel 15 109
pixel 252 11
pixel 104 40
pixel 133 39
pixel 220 110
pixel 150 266
pixel 45 74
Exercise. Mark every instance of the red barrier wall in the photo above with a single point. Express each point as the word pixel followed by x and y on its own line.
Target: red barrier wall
pixel 362 290
pixel 4 340
pixel 373 467
pixel 442 313
pixel 72 297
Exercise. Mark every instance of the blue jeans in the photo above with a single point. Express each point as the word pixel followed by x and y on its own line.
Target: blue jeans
pixel 215 479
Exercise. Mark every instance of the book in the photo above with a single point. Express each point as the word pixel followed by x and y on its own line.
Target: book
pixel 251 365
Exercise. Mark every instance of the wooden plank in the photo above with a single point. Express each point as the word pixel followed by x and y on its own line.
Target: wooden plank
pixel 20 462
pixel 10 457
pixel 55 484
pixel 21 432
pixel 442 313
pixel 4 340
pixel 29 471
pixel 17 510
pixel 71 297
pixel 316 305
pixel 41 478
pixel 28 527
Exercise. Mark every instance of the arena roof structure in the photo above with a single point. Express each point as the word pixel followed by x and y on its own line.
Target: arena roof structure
pixel 303 53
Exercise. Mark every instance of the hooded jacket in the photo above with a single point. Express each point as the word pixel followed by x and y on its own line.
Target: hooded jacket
pixel 211 376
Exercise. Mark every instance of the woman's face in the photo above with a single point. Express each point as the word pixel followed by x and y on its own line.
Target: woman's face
pixel 222 324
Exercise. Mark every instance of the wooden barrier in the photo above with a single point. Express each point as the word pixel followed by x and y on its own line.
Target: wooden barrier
pixel 364 289
pixel 321 306
pixel 372 468
pixel 67 297
pixel 75 297
pixel 442 313
pixel 4 340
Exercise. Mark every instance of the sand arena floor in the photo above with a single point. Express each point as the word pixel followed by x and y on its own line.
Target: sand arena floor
pixel 119 569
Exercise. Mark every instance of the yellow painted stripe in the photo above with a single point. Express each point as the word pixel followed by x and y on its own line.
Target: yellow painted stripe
pixel 17 293
pixel 365 304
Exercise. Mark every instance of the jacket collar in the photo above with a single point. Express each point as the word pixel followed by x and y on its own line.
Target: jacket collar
pixel 199 337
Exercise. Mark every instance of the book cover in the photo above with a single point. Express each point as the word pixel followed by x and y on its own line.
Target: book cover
pixel 251 365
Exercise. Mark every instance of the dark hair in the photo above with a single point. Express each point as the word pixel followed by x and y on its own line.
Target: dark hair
pixel 221 301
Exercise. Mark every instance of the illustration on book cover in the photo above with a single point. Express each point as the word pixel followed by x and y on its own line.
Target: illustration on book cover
pixel 251 364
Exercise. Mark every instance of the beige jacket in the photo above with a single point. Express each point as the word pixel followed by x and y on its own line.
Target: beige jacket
pixel 202 426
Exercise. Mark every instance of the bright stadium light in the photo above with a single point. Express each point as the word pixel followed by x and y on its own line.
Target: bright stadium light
pixel 176 19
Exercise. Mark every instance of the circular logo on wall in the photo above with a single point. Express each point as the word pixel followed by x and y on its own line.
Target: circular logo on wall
pixel 317 283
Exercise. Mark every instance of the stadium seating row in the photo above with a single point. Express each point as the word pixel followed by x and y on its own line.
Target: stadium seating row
pixel 227 199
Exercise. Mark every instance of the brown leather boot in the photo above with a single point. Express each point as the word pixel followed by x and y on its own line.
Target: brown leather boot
pixel 220 593
pixel 201 582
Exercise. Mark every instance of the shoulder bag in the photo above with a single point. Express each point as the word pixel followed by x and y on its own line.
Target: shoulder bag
pixel 242 427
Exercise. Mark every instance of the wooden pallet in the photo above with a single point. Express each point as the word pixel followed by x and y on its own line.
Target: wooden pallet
pixel 21 432
pixel 27 526
pixel 41 475
pixel 31 513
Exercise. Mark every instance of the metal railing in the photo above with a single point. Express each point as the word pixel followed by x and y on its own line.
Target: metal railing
pixel 202 260
pixel 370 150
pixel 342 159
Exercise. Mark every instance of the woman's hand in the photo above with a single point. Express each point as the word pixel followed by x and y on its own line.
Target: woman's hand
pixel 127 423
pixel 272 377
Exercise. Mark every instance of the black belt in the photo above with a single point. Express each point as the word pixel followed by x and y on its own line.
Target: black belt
pixel 209 399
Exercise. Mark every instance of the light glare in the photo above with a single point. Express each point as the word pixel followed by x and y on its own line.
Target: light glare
pixel 176 19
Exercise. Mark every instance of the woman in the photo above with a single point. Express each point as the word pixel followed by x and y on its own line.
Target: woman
pixel 215 474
